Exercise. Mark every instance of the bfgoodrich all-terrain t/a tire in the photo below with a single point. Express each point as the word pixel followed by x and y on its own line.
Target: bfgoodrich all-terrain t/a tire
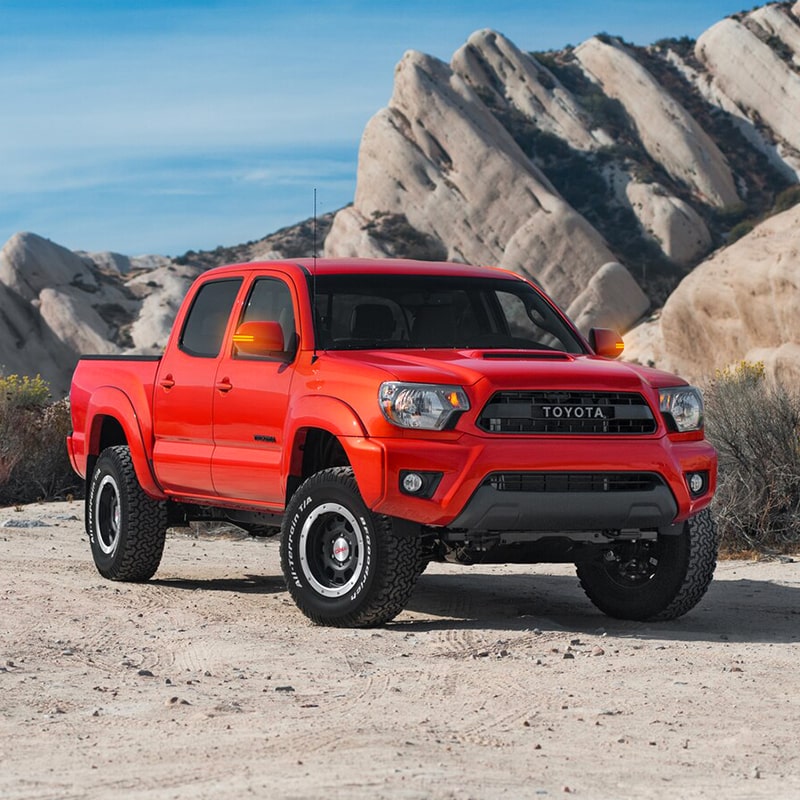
pixel 126 528
pixel 344 566
pixel 654 580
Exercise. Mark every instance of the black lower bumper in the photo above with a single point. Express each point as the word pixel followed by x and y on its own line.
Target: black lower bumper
pixel 574 502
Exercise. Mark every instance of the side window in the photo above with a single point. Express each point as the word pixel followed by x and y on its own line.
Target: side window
pixel 205 325
pixel 271 301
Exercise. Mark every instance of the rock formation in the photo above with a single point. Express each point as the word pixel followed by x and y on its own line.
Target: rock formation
pixel 669 134
pixel 438 157
pixel 605 172
pixel 751 80
pixel 741 304
pixel 495 67
pixel 677 228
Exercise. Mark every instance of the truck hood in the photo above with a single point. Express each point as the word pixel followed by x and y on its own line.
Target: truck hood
pixel 509 369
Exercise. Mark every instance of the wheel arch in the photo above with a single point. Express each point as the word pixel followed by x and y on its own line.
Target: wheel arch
pixel 111 419
pixel 325 432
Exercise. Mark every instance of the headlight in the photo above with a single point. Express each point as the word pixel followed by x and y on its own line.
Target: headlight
pixel 421 406
pixel 682 406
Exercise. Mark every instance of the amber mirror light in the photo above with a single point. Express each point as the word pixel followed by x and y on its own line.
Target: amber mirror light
pixel 606 343
pixel 259 338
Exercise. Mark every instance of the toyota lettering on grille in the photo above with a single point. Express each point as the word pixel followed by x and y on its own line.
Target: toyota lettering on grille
pixel 574 412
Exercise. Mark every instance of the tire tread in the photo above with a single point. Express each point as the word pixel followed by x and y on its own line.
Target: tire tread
pixel 394 580
pixel 145 523
pixel 700 561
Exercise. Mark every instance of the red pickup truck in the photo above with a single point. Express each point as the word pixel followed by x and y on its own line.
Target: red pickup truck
pixel 383 414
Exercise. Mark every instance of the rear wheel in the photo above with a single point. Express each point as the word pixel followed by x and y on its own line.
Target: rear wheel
pixel 657 579
pixel 126 528
pixel 344 566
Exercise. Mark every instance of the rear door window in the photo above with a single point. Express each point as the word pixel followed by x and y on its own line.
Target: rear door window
pixel 208 317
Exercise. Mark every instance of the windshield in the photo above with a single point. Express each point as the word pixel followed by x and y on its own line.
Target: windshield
pixel 367 312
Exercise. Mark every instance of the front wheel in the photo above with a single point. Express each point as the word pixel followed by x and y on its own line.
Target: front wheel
pixel 657 579
pixel 126 528
pixel 344 566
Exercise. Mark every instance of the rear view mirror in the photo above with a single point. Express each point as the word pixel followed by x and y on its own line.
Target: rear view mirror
pixel 259 339
pixel 606 343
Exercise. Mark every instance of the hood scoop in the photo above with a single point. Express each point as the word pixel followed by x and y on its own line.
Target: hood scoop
pixel 533 355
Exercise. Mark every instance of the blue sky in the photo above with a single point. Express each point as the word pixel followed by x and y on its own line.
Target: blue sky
pixel 159 127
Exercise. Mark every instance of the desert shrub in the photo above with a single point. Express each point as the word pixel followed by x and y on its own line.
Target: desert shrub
pixel 740 230
pixel 402 240
pixel 33 457
pixel 755 425
pixel 787 199
pixel 683 46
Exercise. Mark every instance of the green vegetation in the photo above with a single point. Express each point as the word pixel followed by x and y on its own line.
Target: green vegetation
pixel 787 199
pixel 33 454
pixel 739 230
pixel 755 426
pixel 683 46
pixel 740 224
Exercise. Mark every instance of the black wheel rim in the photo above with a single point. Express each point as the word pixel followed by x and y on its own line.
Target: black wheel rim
pixel 631 564
pixel 332 550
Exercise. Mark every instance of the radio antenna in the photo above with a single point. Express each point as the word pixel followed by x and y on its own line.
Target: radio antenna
pixel 314 280
pixel 315 224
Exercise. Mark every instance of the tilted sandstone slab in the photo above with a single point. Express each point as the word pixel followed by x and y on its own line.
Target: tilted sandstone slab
pixel 73 318
pixel 122 264
pixel 30 263
pixel 677 228
pixel 495 66
pixel 55 306
pixel 439 157
pixel 29 347
pixel 776 22
pixel 35 268
pixel 591 309
pixel 667 131
pixel 766 92
pixel 740 304
pixel 492 64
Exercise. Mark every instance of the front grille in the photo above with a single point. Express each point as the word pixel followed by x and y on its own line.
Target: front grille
pixel 566 412
pixel 567 482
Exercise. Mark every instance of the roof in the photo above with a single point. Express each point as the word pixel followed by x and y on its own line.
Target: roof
pixel 375 266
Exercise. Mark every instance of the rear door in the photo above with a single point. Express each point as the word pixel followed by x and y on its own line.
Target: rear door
pixel 251 400
pixel 184 392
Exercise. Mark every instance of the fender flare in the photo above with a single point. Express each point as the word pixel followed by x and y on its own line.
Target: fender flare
pixel 112 402
pixel 333 415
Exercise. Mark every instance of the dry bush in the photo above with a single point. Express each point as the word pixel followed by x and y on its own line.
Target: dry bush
pixel 754 424
pixel 33 455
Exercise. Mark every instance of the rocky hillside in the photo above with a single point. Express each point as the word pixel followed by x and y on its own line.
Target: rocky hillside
pixel 607 172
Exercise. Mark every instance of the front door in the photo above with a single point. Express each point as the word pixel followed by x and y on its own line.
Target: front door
pixel 251 401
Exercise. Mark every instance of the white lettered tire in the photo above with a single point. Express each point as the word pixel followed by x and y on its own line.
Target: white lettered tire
pixel 126 528
pixel 343 565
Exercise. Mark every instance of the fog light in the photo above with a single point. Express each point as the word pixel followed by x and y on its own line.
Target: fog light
pixel 412 483
pixel 419 483
pixel 697 482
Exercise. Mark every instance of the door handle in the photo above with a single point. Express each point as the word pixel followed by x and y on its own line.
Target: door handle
pixel 167 382
pixel 224 385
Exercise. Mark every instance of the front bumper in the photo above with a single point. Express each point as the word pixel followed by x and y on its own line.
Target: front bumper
pixel 468 497
pixel 493 508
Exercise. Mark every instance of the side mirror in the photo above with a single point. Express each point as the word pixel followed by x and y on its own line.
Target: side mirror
pixel 259 339
pixel 606 343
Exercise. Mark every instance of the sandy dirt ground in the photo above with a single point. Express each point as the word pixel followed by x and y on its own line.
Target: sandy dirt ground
pixel 496 682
